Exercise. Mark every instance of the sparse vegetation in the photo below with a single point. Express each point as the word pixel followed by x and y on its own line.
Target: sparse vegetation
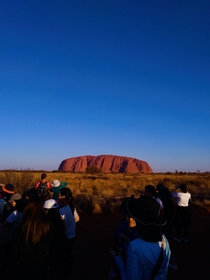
pixel 99 191
pixel 92 169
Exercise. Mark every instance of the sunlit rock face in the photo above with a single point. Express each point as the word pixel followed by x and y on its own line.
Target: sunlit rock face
pixel 106 163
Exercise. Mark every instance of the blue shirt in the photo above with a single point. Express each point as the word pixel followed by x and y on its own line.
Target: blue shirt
pixel 70 224
pixel 142 256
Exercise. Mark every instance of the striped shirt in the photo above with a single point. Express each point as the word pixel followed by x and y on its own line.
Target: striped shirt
pixel 68 217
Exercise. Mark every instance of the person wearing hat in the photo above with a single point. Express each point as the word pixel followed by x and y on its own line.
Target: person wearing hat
pixel 148 255
pixel 58 256
pixel 17 206
pixel 7 228
pixel 56 186
pixel 8 191
pixel 2 201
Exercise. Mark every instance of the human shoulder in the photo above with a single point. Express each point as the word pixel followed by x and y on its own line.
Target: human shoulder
pixel 65 209
pixel 160 202
pixel 14 217
pixel 174 194
pixel 138 243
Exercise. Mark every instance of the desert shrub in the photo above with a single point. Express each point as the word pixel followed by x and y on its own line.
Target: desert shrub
pixel 92 169
pixel 99 190
pixel 95 191
pixel 107 205
pixel 84 203
pixel 21 180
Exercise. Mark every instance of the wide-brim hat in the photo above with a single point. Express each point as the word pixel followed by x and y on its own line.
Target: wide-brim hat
pixel 8 188
pixel 55 183
pixel 145 210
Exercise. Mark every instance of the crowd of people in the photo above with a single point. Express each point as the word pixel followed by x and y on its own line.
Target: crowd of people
pixel 141 250
pixel 37 232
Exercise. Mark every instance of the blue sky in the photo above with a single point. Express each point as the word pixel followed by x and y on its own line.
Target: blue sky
pixel 90 77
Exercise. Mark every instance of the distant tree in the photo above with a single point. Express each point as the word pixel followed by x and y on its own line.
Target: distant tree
pixel 92 169
pixel 176 171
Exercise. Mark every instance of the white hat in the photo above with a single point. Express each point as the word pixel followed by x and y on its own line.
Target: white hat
pixel 50 204
pixel 55 183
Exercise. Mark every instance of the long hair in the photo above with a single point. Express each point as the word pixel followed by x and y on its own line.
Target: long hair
pixel 68 196
pixel 34 220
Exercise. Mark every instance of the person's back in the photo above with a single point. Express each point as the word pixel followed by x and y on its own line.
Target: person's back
pixel 150 253
pixel 66 211
pixel 56 186
pixel 58 250
pixel 168 204
pixel 32 241
pixel 142 256
pixel 7 228
pixel 43 188
pixel 182 218
pixel 8 191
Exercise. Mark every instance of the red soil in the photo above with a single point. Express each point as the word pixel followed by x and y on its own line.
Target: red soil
pixel 95 235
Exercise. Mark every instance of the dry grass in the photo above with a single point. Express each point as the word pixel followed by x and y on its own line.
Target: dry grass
pixel 101 192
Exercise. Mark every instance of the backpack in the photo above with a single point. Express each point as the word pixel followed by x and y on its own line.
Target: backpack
pixel 43 190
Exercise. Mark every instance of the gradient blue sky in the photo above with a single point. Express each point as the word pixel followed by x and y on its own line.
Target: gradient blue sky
pixel 90 77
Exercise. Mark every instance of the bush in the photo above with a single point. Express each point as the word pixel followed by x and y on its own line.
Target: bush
pixel 21 180
pixel 92 169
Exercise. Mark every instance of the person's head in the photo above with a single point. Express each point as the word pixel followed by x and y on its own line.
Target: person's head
pixel 52 211
pixel 34 219
pixel 65 197
pixel 160 186
pixel 183 188
pixel 145 211
pixel 164 194
pixel 8 191
pixel 14 198
pixel 149 190
pixel 50 204
pixel 43 176
pixel 31 192
pixel 55 183
pixel 65 193
pixel 123 209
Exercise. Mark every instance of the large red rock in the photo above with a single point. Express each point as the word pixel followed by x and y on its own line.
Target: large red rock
pixel 107 163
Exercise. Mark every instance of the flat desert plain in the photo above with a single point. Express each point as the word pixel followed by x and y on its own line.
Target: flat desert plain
pixel 95 236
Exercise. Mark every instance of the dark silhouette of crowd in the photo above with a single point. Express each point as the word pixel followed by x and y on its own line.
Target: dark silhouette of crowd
pixel 144 251
pixel 37 232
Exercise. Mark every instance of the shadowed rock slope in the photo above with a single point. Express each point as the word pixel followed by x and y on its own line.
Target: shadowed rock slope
pixel 107 163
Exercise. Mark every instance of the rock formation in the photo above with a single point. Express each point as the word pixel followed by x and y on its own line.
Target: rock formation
pixel 106 163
